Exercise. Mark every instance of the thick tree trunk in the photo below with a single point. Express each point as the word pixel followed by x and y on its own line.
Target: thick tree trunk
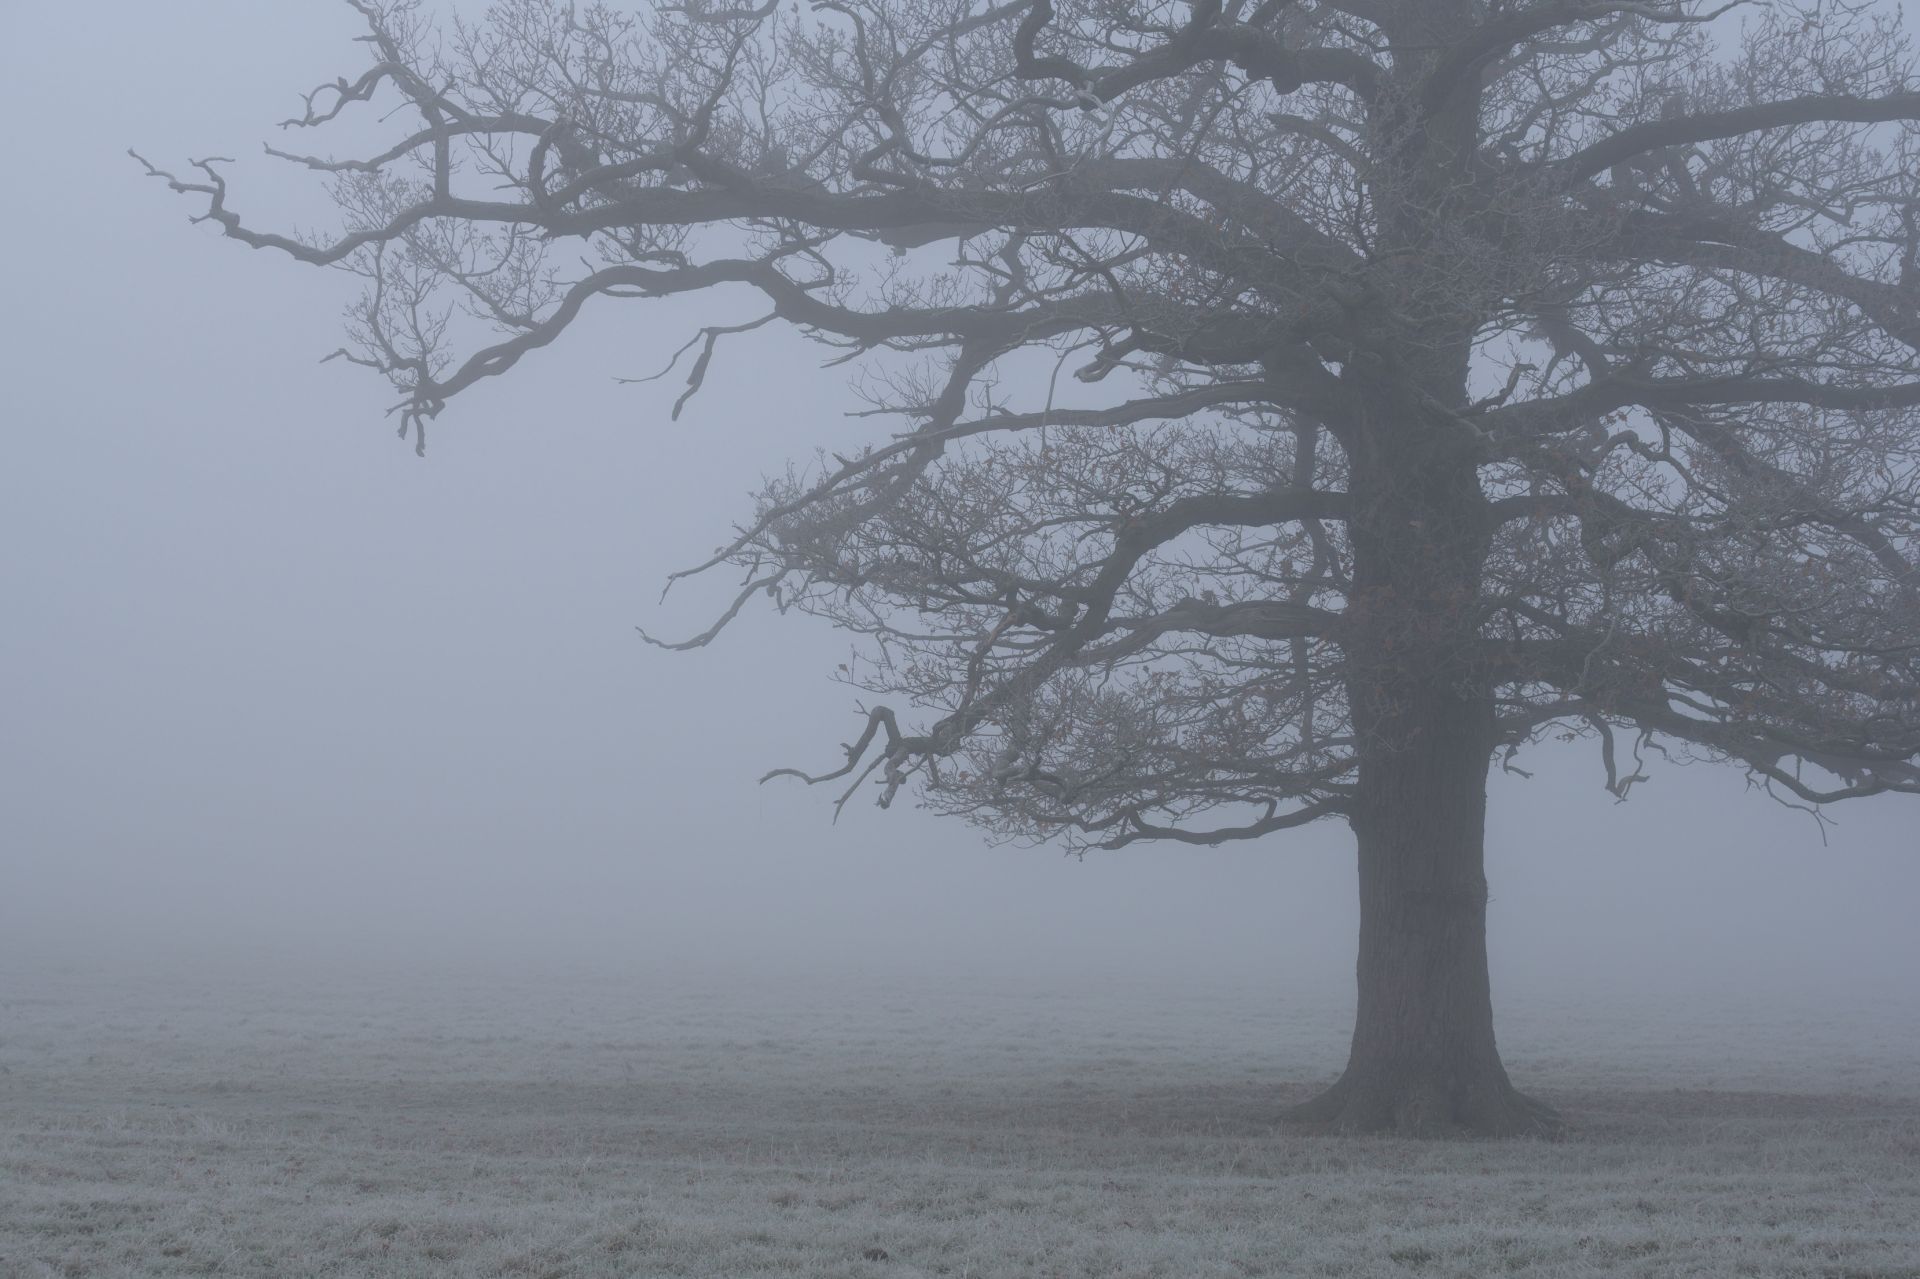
pixel 1423 1061
pixel 1421 696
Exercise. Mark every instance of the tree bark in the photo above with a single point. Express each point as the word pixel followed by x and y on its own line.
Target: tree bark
pixel 1424 1061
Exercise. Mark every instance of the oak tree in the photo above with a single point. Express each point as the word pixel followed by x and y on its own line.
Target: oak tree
pixel 1283 410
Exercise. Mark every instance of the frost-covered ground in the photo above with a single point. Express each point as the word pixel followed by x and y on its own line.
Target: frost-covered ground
pixel 350 1125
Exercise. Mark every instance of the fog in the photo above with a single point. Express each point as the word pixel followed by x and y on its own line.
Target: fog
pixel 275 691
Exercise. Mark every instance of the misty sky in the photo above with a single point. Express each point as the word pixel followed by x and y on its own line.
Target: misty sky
pixel 272 686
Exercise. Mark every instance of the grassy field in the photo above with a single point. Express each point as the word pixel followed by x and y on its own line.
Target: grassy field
pixel 354 1125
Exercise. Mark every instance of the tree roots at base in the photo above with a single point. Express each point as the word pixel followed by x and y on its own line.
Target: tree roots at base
pixel 1394 1106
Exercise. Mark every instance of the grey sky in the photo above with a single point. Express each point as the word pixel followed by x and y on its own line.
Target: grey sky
pixel 271 685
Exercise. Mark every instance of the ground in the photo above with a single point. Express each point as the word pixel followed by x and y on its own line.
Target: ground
pixel 367 1125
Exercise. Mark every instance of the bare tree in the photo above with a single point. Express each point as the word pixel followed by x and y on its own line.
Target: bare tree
pixel 1299 404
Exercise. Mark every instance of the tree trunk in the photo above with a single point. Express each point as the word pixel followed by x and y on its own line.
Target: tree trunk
pixel 1423 1061
pixel 1421 697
